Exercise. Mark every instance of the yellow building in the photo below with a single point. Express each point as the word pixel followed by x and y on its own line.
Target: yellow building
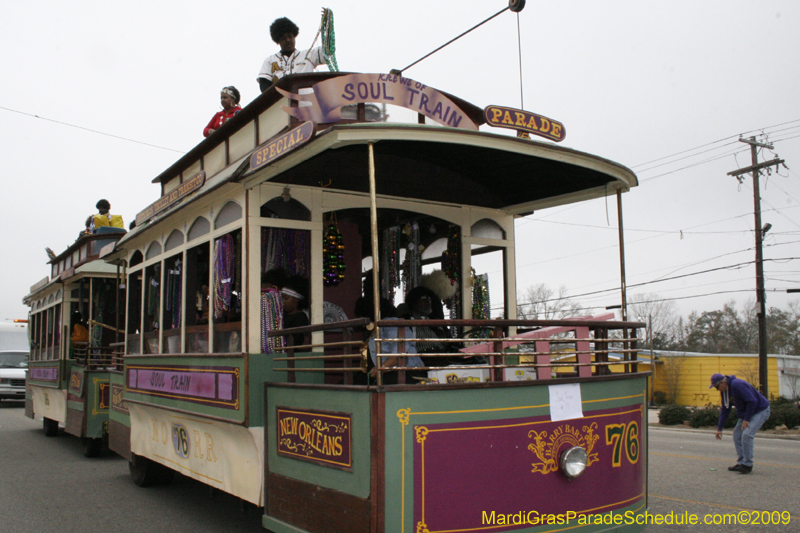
pixel 688 374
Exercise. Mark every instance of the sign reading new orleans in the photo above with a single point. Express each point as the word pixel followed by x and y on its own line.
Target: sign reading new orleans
pixel 282 145
pixel 329 96
pixel 182 191
pixel 316 436
pixel 524 121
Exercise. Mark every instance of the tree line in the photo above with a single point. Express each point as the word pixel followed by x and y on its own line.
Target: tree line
pixel 732 329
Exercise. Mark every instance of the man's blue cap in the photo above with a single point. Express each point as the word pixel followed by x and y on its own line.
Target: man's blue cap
pixel 716 378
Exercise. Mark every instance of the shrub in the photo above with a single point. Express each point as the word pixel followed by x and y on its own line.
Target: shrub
pixel 659 397
pixel 673 415
pixel 704 416
pixel 709 416
pixel 783 414
pixel 781 400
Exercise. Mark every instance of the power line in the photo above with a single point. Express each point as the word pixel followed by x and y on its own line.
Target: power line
pixel 91 130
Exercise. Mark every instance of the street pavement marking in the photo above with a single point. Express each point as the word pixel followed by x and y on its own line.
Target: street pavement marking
pixel 717 459
pixel 714 505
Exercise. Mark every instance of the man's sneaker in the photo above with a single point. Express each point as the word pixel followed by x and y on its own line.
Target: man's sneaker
pixel 735 468
pixel 744 469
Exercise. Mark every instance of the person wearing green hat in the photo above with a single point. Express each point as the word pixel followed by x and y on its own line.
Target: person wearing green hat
pixel 753 410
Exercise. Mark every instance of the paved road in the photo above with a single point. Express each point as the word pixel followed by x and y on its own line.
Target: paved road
pixel 47 485
pixel 689 473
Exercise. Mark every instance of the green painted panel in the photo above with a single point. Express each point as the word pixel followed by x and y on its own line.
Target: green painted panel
pixel 461 407
pixel 98 397
pixel 355 403
pixel 118 411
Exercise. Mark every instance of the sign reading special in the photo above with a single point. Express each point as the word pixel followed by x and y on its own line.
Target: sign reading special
pixel 320 437
pixel 282 145
pixel 182 191
pixel 524 121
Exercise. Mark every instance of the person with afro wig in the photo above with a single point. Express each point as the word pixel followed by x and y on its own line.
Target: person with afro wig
pixel 289 60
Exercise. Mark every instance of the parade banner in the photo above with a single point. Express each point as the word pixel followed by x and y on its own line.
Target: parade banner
pixel 226 456
pixel 329 96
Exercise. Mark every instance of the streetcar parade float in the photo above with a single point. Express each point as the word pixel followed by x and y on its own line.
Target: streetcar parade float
pixel 68 382
pixel 508 425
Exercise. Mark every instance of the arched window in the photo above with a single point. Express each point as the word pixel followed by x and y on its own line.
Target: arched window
pixel 230 212
pixel 286 208
pixel 200 227
pixel 175 239
pixel 487 229
pixel 136 258
pixel 153 251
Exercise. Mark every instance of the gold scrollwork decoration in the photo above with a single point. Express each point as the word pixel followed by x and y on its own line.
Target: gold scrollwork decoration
pixel 422 432
pixel 404 415
pixel 422 527
pixel 323 426
pixel 546 449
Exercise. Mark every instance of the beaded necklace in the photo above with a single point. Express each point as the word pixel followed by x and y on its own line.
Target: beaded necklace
pixel 451 258
pixel 223 272
pixel 389 262
pixel 480 301
pixel 271 320
pixel 173 294
pixel 238 273
pixel 333 265
pixel 412 265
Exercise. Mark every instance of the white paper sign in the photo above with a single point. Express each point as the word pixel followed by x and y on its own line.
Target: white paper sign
pixel 565 402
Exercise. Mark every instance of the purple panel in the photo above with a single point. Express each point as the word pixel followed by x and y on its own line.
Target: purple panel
pixel 44 373
pixel 225 386
pixel 197 384
pixel 515 464
pixel 132 379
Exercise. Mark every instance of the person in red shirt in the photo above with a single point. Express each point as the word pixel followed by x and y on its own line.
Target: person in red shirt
pixel 229 98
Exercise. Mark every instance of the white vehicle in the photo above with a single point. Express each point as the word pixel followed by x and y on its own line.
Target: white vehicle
pixel 14 350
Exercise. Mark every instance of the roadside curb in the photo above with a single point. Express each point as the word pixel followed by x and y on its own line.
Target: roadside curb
pixel 714 431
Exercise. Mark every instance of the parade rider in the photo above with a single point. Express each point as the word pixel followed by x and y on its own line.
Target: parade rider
pixel 103 218
pixel 229 98
pixel 288 60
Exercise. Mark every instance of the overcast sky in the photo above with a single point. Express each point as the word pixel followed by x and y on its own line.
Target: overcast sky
pixel 673 82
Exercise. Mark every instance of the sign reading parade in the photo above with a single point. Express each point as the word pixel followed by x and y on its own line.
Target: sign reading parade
pixel 524 121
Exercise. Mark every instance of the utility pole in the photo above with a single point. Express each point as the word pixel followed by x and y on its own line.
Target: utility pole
pixel 761 295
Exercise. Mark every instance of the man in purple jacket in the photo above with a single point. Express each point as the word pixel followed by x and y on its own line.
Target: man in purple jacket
pixel 752 409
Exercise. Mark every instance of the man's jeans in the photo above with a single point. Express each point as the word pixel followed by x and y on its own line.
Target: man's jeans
pixel 744 441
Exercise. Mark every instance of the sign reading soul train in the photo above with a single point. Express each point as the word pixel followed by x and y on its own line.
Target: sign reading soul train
pixel 259 360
